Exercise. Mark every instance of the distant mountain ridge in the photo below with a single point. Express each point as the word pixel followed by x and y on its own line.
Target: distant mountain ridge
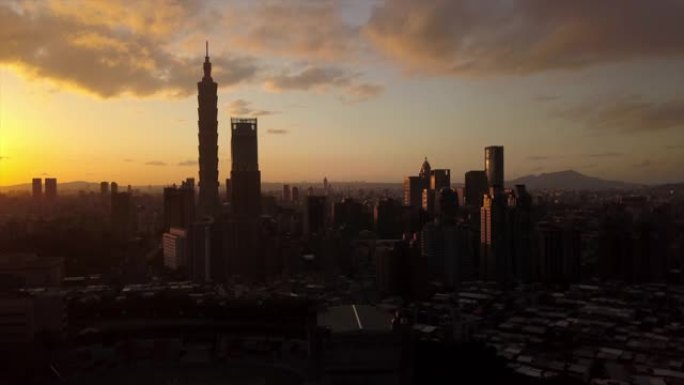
pixel 570 180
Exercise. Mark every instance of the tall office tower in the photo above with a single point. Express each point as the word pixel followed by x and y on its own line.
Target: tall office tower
pixel 51 188
pixel 475 188
pixel 413 192
pixel 37 188
pixel 295 194
pixel 104 188
pixel 208 203
pixel 179 206
pixel 287 193
pixel 494 256
pixel 424 174
pixel 325 184
pixel 494 166
pixel 440 179
pixel 113 188
pixel 245 177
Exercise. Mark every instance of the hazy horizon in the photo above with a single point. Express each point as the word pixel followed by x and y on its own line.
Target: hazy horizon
pixel 108 91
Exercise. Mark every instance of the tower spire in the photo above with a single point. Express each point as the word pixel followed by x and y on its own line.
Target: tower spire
pixel 207 63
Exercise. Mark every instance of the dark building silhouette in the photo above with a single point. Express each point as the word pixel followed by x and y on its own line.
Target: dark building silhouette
pixel 122 214
pixel 494 256
pixel 295 194
pixel 179 206
pixel 413 192
pixel 114 188
pixel 475 188
pixel 203 246
pixel 494 166
pixel 424 174
pixel 559 253
pixel 229 190
pixel 287 193
pixel 245 177
pixel 50 188
pixel 388 219
pixel 446 204
pixel 439 179
pixel 315 215
pixel 520 234
pixel 447 251
pixel 37 188
pixel 207 98
pixel 104 188
pixel 351 216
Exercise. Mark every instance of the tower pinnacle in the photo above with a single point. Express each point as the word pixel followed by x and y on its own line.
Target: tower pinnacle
pixel 207 63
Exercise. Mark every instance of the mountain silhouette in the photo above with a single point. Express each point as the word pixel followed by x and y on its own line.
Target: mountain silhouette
pixel 570 180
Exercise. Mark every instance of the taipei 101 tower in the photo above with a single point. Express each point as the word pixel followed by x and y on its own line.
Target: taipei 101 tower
pixel 208 203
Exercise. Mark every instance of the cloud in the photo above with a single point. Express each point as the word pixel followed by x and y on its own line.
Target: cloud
pixel 128 160
pixel 278 131
pixel 110 49
pixel 189 162
pixel 674 147
pixel 474 37
pixel 604 155
pixel 538 157
pixel 241 107
pixel 4 157
pixel 323 79
pixel 155 163
pixel 302 29
pixel 44 174
pixel 628 114
pixel 589 165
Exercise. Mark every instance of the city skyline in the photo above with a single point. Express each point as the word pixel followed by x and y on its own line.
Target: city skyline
pixel 362 101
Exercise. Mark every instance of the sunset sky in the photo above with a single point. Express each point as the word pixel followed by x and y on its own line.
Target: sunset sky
pixel 353 90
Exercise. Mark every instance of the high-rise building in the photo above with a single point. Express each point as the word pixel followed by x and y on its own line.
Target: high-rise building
pixel 51 188
pixel 179 206
pixel 245 176
pixel 104 188
pixel 519 227
pixel 424 174
pixel 440 178
pixel 37 188
pixel 287 193
pixel 122 214
pixel 175 248
pixel 446 204
pixel 475 188
pixel 413 191
pixel 295 194
pixel 113 188
pixel 494 166
pixel 494 255
pixel 208 203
